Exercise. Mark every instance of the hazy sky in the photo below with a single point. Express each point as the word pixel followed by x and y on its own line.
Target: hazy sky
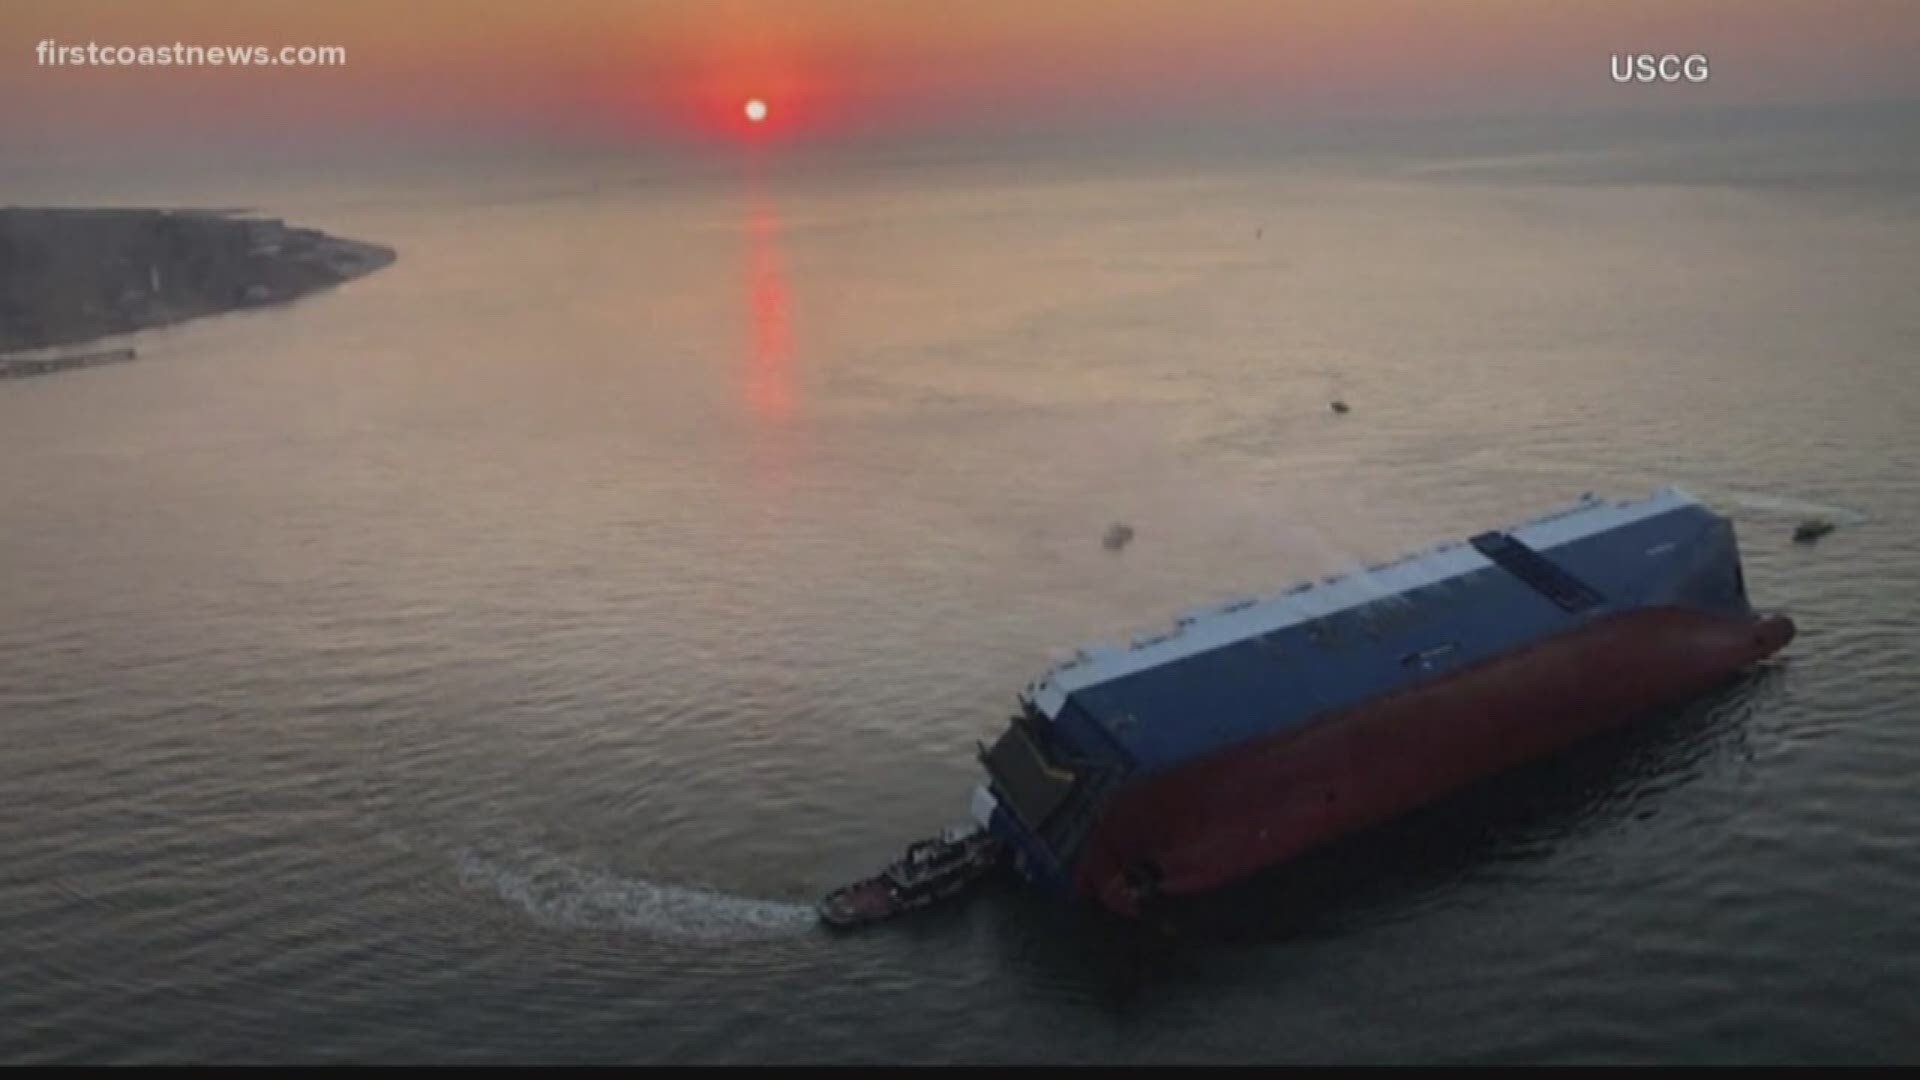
pixel 639 68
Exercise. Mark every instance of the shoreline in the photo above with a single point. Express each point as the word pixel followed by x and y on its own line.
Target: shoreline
pixel 72 277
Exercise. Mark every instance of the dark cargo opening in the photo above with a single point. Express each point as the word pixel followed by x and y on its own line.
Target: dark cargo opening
pixel 1024 779
pixel 1542 574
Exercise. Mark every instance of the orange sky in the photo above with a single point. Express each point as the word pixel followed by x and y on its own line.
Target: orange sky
pixel 637 66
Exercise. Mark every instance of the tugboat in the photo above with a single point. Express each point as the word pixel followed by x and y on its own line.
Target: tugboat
pixel 930 870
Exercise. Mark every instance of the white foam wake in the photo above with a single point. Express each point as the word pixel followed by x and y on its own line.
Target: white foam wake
pixel 1783 505
pixel 557 893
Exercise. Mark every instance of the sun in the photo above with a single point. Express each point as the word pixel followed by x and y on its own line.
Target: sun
pixel 756 110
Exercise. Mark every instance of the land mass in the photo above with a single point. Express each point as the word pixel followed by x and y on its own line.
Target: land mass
pixel 74 275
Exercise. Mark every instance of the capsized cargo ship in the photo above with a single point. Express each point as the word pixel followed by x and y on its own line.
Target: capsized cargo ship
pixel 1254 731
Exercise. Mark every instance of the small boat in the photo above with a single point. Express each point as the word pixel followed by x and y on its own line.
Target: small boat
pixel 1340 408
pixel 930 870
pixel 1812 529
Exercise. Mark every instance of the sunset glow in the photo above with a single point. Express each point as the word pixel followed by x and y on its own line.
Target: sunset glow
pixel 835 67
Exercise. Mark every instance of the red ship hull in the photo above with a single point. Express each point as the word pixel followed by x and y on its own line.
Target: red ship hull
pixel 1222 818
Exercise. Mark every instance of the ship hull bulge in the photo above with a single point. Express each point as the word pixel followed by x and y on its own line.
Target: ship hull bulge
pixel 1223 817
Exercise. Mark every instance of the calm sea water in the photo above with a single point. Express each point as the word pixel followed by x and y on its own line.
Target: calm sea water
pixel 492 659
